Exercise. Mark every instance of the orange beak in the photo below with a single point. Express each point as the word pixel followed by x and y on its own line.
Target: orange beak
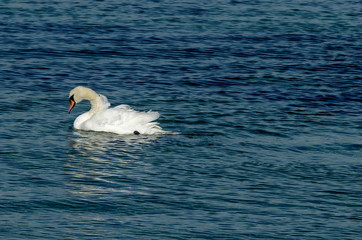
pixel 71 104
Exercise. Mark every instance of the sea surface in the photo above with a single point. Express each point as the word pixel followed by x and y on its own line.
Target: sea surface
pixel 264 99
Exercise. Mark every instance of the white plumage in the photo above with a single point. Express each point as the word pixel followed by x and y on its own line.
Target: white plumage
pixel 121 119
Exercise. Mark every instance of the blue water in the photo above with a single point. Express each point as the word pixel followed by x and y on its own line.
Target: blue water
pixel 265 96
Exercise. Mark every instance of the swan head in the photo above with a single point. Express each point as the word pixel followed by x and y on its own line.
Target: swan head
pixel 77 94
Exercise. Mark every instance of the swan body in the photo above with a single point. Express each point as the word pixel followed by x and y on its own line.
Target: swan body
pixel 121 119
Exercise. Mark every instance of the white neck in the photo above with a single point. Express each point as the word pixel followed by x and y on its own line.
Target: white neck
pixel 97 103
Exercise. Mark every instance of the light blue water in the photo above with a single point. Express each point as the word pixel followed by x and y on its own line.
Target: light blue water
pixel 266 96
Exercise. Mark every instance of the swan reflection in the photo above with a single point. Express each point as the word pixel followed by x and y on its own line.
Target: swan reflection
pixel 100 163
pixel 89 142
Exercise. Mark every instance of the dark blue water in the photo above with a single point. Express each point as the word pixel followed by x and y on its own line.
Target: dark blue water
pixel 265 96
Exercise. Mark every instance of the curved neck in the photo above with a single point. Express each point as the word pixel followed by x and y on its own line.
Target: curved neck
pixel 96 104
pixel 95 100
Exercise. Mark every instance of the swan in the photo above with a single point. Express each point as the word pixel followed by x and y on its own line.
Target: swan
pixel 121 119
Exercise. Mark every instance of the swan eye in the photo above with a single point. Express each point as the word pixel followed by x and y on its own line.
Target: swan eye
pixel 71 99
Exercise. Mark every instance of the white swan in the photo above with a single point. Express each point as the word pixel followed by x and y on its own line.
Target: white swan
pixel 121 119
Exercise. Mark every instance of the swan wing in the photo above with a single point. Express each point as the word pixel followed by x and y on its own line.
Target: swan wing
pixel 123 119
pixel 104 101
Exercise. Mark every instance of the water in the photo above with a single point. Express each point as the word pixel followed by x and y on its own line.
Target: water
pixel 265 96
